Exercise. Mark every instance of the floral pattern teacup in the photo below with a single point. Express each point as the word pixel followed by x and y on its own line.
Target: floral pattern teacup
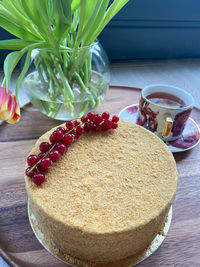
pixel 165 121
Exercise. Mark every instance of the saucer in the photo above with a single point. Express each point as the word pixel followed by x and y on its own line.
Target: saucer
pixel 189 138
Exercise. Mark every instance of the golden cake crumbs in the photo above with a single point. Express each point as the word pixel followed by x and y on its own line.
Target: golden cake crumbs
pixel 108 196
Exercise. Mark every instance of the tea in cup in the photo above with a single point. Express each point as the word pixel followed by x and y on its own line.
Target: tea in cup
pixel 164 110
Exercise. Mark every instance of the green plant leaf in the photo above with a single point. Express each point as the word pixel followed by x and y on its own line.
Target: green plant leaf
pixel 12 20
pixel 91 8
pixel 117 7
pixel 23 72
pixel 15 29
pixel 17 5
pixel 10 63
pixel 11 9
pixel 75 5
pixel 13 58
pixel 6 12
pixel 99 17
pixel 15 44
pixel 38 13
pixel 91 11
pixel 62 12
pixel 43 8
pixel 62 17
pixel 82 10
pixel 110 13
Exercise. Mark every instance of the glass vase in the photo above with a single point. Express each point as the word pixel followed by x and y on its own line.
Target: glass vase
pixel 67 83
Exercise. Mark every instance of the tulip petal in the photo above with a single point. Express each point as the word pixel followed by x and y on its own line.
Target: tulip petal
pixel 4 97
pixel 15 113
pixel 9 107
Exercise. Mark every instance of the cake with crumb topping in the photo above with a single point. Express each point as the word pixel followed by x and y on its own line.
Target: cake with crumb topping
pixel 108 196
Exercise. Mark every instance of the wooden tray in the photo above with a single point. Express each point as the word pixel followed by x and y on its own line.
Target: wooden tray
pixel 19 246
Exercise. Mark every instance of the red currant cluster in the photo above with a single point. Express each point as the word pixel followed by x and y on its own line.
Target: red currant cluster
pixel 61 139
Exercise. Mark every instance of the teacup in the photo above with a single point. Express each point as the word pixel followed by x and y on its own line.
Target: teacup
pixel 164 110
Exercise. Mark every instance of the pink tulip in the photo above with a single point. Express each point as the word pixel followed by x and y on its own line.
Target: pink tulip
pixel 9 107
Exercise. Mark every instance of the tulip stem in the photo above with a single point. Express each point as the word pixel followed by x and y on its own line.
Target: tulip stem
pixel 62 71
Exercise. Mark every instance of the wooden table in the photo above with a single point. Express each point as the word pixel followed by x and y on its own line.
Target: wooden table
pixel 19 246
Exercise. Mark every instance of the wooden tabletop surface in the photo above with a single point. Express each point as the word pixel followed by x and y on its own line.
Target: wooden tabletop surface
pixel 19 246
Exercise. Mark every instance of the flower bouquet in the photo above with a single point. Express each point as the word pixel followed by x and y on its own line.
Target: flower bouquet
pixel 61 35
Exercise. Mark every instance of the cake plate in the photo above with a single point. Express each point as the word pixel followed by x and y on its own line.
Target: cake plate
pixel 75 262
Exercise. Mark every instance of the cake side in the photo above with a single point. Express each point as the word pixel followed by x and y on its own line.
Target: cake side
pixel 115 207
pixel 95 247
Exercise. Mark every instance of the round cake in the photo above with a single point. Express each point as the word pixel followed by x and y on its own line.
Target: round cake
pixel 108 196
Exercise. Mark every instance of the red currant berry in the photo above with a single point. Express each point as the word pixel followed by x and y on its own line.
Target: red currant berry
pixel 32 160
pixel 103 126
pixel 58 135
pixel 76 123
pixel 72 131
pixel 91 126
pixel 32 173
pixel 98 119
pixel 76 136
pixel 45 163
pixel 114 125
pixel 105 115
pixel 69 125
pixel 85 127
pixel 79 130
pixel 90 116
pixel 40 168
pixel 61 148
pixel 108 124
pixel 73 137
pixel 41 155
pixel 38 178
pixel 51 138
pixel 115 119
pixel 44 147
pixel 68 139
pixel 62 129
pixel 54 155
pixel 83 119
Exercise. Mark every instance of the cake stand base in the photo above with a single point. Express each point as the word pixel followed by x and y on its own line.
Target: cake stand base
pixel 72 261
